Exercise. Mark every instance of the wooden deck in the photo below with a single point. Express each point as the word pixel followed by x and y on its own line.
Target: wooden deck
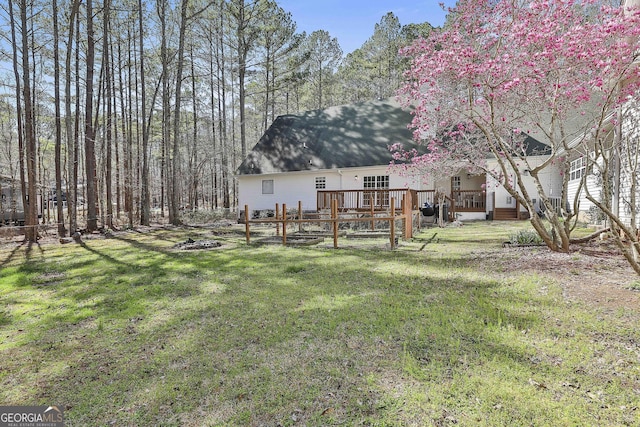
pixel 379 200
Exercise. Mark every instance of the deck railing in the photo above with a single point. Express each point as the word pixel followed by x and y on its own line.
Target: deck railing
pixel 469 200
pixel 361 200
pixel 366 200
pixel 424 196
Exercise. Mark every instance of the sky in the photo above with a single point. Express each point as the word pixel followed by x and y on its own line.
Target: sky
pixel 352 21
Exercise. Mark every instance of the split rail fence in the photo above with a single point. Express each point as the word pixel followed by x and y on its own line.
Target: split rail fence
pixel 282 219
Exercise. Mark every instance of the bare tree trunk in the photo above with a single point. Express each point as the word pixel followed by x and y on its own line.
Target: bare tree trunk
pixel 39 165
pixel 222 114
pixel 145 211
pixel 213 165
pixel 31 208
pixel 130 145
pixel 89 133
pixel 100 170
pixel 166 116
pixel 195 169
pixel 242 100
pixel 137 120
pixel 126 145
pixel 267 80
pixel 76 133
pixel 175 151
pixel 20 122
pixel 115 130
pixel 109 123
pixel 58 144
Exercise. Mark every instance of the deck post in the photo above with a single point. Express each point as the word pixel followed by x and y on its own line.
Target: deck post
pixel 334 224
pixel 392 223
pixel 284 224
pixel 402 213
pixel 373 223
pixel 407 211
pixel 246 224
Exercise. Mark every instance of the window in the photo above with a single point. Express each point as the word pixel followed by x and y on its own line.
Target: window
pixel 369 182
pixel 380 181
pixel 377 198
pixel 267 186
pixel 577 169
pixel 456 184
pixel 321 182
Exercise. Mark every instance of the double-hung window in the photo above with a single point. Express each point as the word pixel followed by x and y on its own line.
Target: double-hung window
pixel 378 198
pixel 577 169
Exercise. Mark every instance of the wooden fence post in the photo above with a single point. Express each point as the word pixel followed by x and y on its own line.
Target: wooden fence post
pixel 334 217
pixel 277 218
pixel 407 211
pixel 392 223
pixel 246 224
pixel 300 215
pixel 284 224
pixel 373 223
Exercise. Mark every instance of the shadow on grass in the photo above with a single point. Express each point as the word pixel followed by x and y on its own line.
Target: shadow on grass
pixel 103 255
pixel 12 255
pixel 29 250
pixel 260 331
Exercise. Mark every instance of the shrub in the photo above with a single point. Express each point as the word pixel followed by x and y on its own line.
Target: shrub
pixel 526 237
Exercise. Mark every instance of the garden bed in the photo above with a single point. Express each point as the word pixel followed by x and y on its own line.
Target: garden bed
pixel 295 240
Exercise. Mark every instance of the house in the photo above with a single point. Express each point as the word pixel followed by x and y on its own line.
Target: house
pixel 343 153
pixel 338 148
pixel 614 165
pixel 502 205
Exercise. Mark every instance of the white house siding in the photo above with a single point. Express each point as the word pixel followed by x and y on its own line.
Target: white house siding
pixel 288 188
pixel 625 200
pixel 631 137
pixel 291 187
pixel 584 206
pixel 549 177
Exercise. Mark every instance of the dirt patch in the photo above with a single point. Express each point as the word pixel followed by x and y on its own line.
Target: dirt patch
pixel 190 245
pixel 291 240
pixel 595 273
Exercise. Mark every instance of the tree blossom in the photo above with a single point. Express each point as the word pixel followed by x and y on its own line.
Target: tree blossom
pixel 502 70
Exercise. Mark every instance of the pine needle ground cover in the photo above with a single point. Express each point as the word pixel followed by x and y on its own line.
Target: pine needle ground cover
pixel 129 331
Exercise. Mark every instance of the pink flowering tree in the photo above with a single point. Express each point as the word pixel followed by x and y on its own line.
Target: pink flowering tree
pixel 502 72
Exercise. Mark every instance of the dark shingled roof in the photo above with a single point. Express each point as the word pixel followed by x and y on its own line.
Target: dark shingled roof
pixel 337 137
pixel 536 148
pixel 344 136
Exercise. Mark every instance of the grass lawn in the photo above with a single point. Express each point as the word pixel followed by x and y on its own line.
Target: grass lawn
pixel 126 331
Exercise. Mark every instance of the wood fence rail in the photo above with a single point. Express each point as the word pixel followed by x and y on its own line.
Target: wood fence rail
pixel 335 219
